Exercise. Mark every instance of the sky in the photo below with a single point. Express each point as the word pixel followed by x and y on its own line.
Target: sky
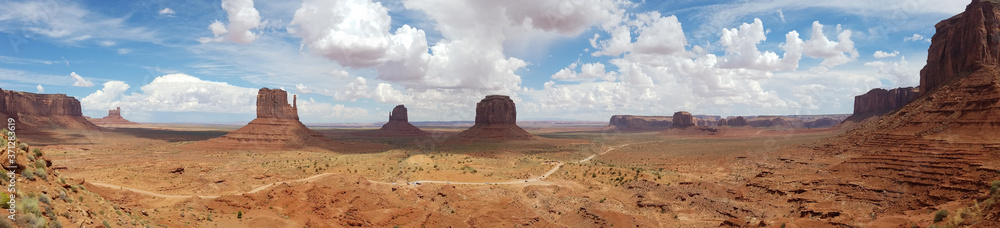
pixel 352 61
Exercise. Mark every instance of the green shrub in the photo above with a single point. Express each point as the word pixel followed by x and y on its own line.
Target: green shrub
pixel 5 198
pixel 40 164
pixel 37 152
pixel 940 215
pixel 994 187
pixel 29 205
pixel 239 215
pixel 106 224
pixel 28 174
pixel 42 174
pixel 45 199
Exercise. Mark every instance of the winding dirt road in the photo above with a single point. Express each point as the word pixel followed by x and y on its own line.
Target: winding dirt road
pixel 318 176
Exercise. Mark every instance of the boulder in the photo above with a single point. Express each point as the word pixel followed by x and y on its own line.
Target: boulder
pixel 640 123
pixel 398 125
pixel 962 44
pixel 496 119
pixel 683 119
pixel 878 102
pixel 36 112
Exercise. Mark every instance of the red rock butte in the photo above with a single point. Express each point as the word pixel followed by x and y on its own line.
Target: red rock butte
pixel 496 119
pixel 399 125
pixel 114 117
pixel 36 112
pixel 683 119
pixel 277 125
pixel 640 123
pixel 879 101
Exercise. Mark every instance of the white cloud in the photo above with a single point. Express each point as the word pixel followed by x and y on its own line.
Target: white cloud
pixel 66 22
pixel 587 71
pixel 178 93
pixel 882 54
pixel 106 97
pixel 107 43
pixel 354 91
pixel 302 89
pixel 167 11
pixel 384 93
pixel 741 49
pixel 79 81
pixel 312 111
pixel 901 72
pixel 833 53
pixel 917 38
pixel 39 88
pixel 124 51
pixel 781 15
pixel 242 17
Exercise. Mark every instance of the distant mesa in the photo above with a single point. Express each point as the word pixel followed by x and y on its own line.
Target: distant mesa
pixel 277 125
pixel 737 121
pixel 399 125
pixel 683 119
pixel 879 101
pixel 822 123
pixel 776 122
pixel 640 123
pixel 114 118
pixel 36 112
pixel 496 119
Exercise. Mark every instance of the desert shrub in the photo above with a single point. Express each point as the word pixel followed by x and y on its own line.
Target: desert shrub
pixel 40 164
pixel 45 199
pixel 4 198
pixel 37 152
pixel 5 224
pixel 940 215
pixel 42 174
pixel 28 174
pixel 26 220
pixel 29 205
pixel 994 187
pixel 239 215
pixel 106 224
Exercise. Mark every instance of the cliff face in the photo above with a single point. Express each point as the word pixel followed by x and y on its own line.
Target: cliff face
pixel 114 117
pixel 683 119
pixel 878 102
pixel 496 119
pixel 34 112
pixel 273 103
pixel 640 123
pixel 962 44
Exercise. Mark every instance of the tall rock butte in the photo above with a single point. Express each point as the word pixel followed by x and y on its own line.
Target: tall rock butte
pixel 277 125
pixel 36 112
pixel 640 123
pixel 962 44
pixel 114 118
pixel 683 119
pixel 399 125
pixel 879 101
pixel 496 119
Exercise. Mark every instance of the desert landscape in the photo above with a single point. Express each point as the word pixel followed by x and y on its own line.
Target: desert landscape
pixel 922 156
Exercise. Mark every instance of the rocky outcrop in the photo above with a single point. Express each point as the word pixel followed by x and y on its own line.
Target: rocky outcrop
pixel 399 125
pixel 738 121
pixel 496 119
pixel 776 122
pixel 962 44
pixel 879 101
pixel 723 122
pixel 822 123
pixel 276 126
pixel 683 119
pixel 640 123
pixel 114 118
pixel 273 103
pixel 35 112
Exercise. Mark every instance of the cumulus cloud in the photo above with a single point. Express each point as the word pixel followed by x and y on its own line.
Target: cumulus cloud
pixel 313 111
pixel 167 11
pixel 242 17
pixel 917 38
pixel 587 71
pixel 741 49
pixel 354 90
pixel 79 81
pixel 39 88
pixel 901 72
pixel 302 89
pixel 124 51
pixel 106 97
pixel 882 54
pixel 833 53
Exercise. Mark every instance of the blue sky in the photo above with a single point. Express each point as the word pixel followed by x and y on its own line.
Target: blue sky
pixel 353 60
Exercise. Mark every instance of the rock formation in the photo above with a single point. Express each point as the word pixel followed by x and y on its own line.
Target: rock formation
pixel 962 44
pixel 776 122
pixel 496 119
pixel 114 118
pixel 723 122
pixel 738 121
pixel 822 123
pixel 878 102
pixel 640 123
pixel 277 125
pixel 35 112
pixel 399 125
pixel 683 119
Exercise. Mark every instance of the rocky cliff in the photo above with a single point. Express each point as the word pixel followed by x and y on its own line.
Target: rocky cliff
pixel 35 112
pixel 640 123
pixel 496 119
pixel 962 44
pixel 683 119
pixel 776 122
pixel 879 101
pixel 276 126
pixel 399 125
pixel 114 118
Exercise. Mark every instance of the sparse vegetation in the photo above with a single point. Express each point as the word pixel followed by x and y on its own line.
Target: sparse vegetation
pixel 940 215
